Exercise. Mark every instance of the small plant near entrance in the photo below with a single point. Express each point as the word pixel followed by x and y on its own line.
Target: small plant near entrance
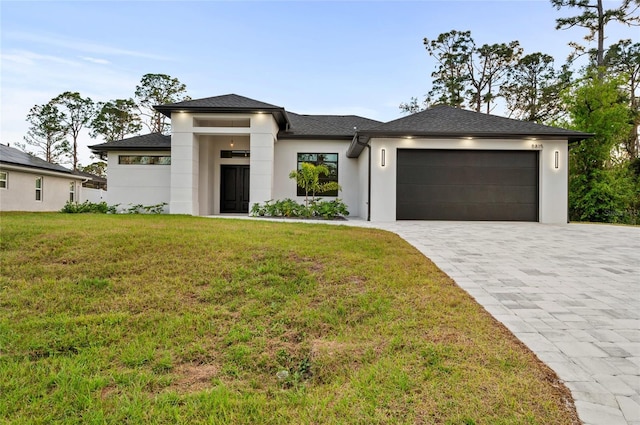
pixel 308 178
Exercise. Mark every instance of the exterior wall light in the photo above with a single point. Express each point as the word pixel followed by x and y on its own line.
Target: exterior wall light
pixel 556 159
pixel 383 154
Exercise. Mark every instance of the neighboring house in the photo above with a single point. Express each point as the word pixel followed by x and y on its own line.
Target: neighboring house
pixel 228 152
pixel 28 183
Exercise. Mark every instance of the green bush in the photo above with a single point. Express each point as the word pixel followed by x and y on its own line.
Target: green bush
pixel 88 207
pixel 328 210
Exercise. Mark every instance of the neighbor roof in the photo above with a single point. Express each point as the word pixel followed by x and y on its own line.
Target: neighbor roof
pixel 153 141
pixel 228 103
pixel 325 126
pixel 13 156
pixel 447 121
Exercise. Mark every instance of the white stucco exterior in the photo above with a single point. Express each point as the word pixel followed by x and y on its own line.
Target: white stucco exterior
pixel 20 193
pixel 133 184
pixel 267 140
pixel 553 186
pixel 286 156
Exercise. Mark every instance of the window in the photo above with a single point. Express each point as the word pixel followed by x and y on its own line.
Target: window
pixel 144 159
pixel 38 188
pixel 330 160
pixel 4 180
pixel 72 192
pixel 235 154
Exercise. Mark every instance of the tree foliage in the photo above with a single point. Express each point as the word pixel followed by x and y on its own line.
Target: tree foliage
pixel 533 92
pixel 157 89
pixel 47 133
pixel 452 51
pixel 594 17
pixel 600 188
pixel 98 168
pixel 76 112
pixel 623 59
pixel 115 120
pixel 466 75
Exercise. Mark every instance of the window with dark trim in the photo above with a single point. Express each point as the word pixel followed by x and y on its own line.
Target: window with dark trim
pixel 72 192
pixel 4 180
pixel 38 188
pixel 235 154
pixel 329 160
pixel 144 159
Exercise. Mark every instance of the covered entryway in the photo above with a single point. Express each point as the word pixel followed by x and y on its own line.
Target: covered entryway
pixel 467 185
pixel 234 189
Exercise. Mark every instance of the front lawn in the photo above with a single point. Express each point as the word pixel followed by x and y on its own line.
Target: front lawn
pixel 173 319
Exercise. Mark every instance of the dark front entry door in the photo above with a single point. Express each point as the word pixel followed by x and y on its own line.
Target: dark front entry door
pixel 234 189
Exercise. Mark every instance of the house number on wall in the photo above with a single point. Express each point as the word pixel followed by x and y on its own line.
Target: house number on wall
pixel 536 145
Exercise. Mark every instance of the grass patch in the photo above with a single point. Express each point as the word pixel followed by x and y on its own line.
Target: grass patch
pixel 173 319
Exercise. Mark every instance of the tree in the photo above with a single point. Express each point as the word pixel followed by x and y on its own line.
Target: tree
pixel 308 178
pixel 534 90
pixel 598 191
pixel 158 89
pixel 623 60
pixel 452 51
pixel 594 18
pixel 115 120
pixel 76 112
pixel 466 75
pixel 47 133
pixel 487 68
pixel 98 168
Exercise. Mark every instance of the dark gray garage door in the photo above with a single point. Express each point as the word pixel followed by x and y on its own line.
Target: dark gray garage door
pixel 467 185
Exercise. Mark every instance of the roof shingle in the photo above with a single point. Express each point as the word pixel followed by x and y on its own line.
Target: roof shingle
pixel 13 156
pixel 153 141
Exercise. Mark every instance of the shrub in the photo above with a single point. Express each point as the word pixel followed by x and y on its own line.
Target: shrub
pixel 88 207
pixel 327 210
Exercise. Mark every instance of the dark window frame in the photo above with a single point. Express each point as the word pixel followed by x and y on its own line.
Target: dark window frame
pixel 144 159
pixel 39 188
pixel 320 158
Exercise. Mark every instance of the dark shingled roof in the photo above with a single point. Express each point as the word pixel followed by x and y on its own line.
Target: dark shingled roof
pixel 13 156
pixel 447 121
pixel 325 126
pixel 153 141
pixel 224 101
pixel 228 103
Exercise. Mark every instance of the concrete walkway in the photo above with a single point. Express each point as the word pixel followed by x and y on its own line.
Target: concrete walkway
pixel 571 293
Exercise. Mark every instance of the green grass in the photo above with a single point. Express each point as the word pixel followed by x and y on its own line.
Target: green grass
pixel 173 319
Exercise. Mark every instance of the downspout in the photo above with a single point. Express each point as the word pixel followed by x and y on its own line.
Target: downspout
pixel 366 145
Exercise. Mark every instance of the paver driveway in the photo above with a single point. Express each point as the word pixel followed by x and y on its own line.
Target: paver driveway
pixel 571 293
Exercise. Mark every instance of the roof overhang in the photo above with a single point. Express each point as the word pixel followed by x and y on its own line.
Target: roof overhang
pixel 361 139
pixel 98 148
pixel 279 114
pixel 36 170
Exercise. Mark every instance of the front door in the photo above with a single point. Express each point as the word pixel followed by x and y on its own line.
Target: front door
pixel 234 189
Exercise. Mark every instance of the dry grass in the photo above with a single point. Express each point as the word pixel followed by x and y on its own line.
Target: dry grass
pixel 169 319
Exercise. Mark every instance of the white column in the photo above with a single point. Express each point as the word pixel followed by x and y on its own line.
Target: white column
pixel 261 168
pixel 184 174
pixel 554 191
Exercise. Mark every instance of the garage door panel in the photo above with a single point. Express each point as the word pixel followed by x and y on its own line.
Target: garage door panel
pixel 467 185
pixel 468 175
pixel 470 194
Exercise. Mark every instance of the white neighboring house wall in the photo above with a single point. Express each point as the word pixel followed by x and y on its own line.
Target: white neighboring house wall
pixel 553 186
pixel 286 160
pixel 20 191
pixel 94 196
pixel 133 184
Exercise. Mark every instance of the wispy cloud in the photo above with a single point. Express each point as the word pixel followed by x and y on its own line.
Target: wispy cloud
pixel 95 60
pixel 80 45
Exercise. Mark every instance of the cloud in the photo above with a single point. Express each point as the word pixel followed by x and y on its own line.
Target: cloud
pixel 80 45
pixel 95 60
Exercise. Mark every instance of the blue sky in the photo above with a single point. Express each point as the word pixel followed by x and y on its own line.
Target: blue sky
pixel 331 57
